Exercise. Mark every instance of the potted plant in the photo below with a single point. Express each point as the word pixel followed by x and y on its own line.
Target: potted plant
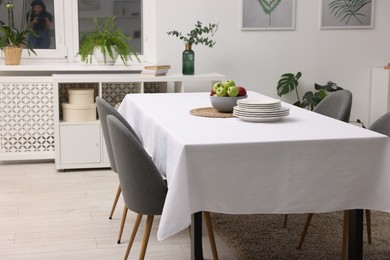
pixel 195 37
pixel 107 40
pixel 289 82
pixel 13 40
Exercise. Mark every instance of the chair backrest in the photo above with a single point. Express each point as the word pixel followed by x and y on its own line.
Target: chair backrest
pixel 104 109
pixel 144 190
pixel 336 105
pixel 382 125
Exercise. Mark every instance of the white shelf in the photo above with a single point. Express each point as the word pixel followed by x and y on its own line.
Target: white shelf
pixel 90 152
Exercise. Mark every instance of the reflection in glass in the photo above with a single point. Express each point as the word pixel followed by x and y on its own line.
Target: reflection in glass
pixel 40 21
pixel 44 27
pixel 128 17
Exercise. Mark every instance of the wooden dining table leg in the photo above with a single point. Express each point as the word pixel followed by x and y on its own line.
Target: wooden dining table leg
pixel 196 236
pixel 355 235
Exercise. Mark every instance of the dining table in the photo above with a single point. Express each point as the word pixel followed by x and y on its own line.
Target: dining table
pixel 304 162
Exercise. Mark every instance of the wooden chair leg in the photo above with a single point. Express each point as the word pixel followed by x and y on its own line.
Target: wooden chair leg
pixel 344 247
pixel 210 232
pixel 145 240
pixel 133 234
pixel 118 193
pixel 124 215
pixel 285 218
pixel 368 224
pixel 304 232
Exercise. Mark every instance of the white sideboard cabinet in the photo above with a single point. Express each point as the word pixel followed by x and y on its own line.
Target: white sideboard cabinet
pixel 80 144
pixel 380 93
pixel 26 118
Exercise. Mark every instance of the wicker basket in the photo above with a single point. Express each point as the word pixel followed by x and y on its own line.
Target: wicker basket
pixel 12 55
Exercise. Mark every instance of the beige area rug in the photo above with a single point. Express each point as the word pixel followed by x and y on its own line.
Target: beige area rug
pixel 263 237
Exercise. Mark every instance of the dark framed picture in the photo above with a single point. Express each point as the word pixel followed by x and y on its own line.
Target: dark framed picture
pixel 268 15
pixel 347 14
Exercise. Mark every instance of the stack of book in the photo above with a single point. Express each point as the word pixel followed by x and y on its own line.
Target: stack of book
pixel 156 70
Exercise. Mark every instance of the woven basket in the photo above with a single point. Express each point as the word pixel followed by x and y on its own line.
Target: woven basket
pixel 12 55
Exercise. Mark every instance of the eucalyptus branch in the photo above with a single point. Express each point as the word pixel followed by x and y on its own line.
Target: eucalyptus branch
pixel 195 36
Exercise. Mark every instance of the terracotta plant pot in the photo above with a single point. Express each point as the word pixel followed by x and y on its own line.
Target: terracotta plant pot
pixel 12 55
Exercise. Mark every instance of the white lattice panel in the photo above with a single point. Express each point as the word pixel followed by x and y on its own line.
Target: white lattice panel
pixel 26 118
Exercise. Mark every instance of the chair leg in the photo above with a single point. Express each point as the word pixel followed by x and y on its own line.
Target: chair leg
pixel 304 232
pixel 145 240
pixel 124 215
pixel 368 223
pixel 118 193
pixel 344 247
pixel 133 234
pixel 210 232
pixel 285 218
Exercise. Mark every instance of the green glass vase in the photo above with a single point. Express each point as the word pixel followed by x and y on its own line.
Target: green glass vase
pixel 188 60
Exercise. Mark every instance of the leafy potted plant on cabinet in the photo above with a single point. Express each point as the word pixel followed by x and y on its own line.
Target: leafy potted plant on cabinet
pixel 194 37
pixel 106 43
pixel 13 40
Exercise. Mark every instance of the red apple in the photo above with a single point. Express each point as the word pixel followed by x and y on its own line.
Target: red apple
pixel 241 91
pixel 212 93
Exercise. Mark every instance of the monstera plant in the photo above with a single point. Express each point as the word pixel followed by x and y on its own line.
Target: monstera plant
pixel 289 82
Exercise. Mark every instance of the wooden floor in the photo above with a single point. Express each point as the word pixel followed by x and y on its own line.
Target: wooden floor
pixel 46 214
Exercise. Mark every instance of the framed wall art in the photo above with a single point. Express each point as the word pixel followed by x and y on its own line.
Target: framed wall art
pixel 268 15
pixel 346 14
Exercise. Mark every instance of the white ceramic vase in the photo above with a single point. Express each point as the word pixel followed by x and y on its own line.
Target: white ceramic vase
pixel 108 61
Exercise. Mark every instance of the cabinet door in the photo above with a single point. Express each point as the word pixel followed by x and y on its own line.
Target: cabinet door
pixel 80 143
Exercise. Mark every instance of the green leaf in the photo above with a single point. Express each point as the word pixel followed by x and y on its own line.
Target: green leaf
pixel 287 83
pixel 195 36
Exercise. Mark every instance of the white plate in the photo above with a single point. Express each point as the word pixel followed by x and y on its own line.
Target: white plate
pixel 261 110
pixel 259 119
pixel 260 115
pixel 258 102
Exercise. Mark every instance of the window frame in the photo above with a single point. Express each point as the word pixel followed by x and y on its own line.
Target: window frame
pixel 147 28
pixel 60 51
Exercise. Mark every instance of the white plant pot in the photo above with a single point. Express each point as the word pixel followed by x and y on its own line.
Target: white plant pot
pixel 98 54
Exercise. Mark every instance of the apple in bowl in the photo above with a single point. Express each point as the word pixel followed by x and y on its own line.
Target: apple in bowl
pixel 224 96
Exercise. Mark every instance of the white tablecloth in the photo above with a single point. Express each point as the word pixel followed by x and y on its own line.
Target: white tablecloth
pixel 303 163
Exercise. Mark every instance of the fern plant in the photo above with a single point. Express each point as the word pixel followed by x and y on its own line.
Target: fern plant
pixel 347 9
pixel 268 7
pixel 107 37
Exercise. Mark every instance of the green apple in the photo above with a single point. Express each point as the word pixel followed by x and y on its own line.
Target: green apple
pixel 232 91
pixel 217 85
pixel 228 83
pixel 221 92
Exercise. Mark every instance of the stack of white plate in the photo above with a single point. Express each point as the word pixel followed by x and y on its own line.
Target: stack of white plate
pixel 260 110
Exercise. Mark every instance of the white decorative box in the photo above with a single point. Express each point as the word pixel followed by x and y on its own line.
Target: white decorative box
pixel 81 96
pixel 79 113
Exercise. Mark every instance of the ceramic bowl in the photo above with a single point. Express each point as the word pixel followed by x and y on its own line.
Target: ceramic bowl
pixel 225 104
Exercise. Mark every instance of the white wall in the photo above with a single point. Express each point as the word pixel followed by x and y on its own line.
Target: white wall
pixel 256 59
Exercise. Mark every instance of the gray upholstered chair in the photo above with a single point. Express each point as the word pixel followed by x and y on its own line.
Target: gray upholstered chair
pixel 336 105
pixel 143 188
pixel 104 109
